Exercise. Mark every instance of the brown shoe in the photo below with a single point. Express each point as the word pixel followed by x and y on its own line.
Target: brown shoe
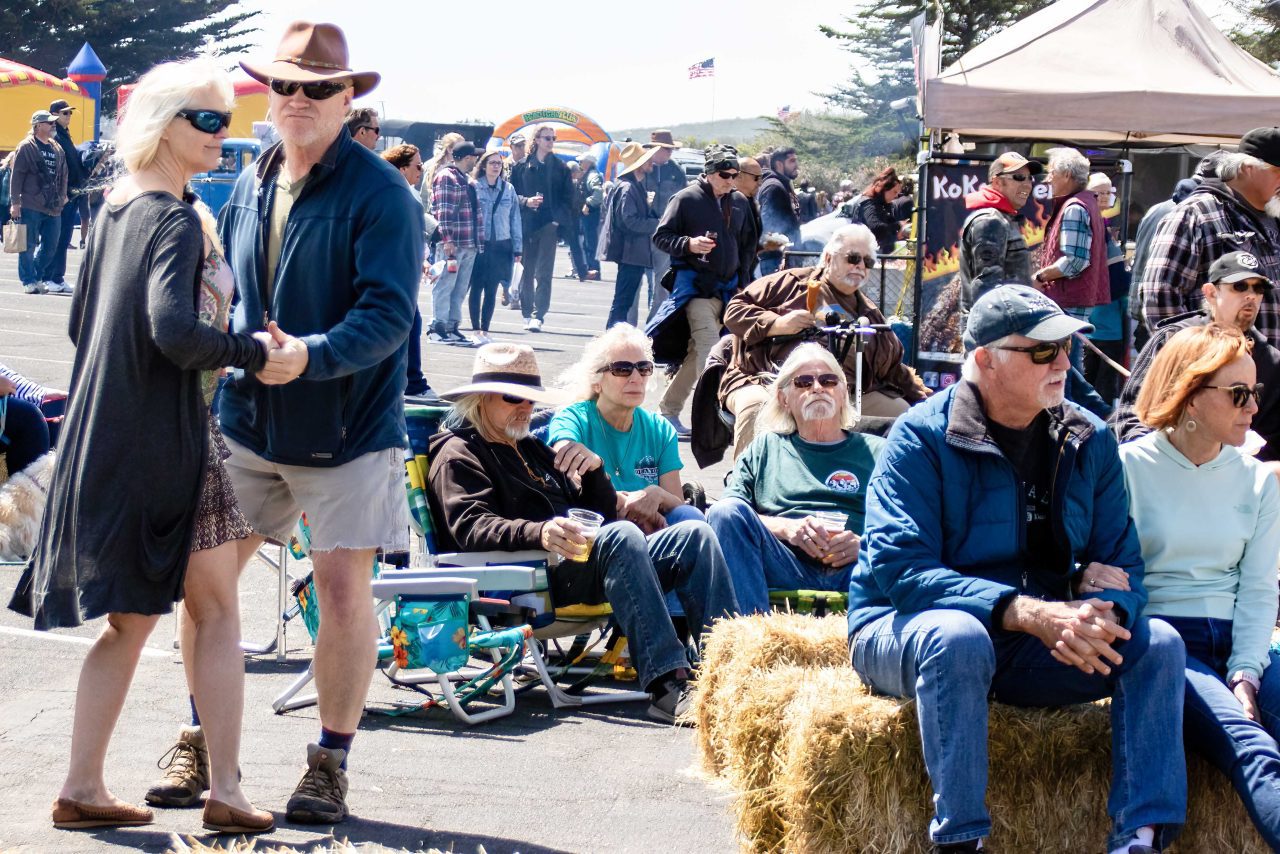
pixel 321 795
pixel 73 815
pixel 225 818
pixel 186 767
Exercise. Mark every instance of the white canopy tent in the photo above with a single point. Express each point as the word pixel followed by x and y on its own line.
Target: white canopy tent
pixel 1144 71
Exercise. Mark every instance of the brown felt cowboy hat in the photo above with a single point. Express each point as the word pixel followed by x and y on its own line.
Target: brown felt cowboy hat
pixel 633 156
pixel 662 139
pixel 309 53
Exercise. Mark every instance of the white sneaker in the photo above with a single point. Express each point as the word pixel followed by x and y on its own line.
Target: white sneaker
pixel 481 338
pixel 535 325
pixel 33 288
pixel 57 287
pixel 528 324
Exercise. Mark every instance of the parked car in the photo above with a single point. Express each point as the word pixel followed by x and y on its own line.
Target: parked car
pixel 214 187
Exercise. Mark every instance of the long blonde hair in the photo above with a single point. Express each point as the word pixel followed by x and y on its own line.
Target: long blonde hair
pixel 156 100
pixel 447 142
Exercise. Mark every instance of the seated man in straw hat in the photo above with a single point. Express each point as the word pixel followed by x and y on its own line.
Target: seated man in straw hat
pixel 494 487
pixel 991 503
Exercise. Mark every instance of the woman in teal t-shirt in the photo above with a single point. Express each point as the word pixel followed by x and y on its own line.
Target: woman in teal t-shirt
pixel 639 449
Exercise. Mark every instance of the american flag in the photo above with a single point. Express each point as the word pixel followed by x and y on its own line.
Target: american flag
pixel 706 68
pixel 784 113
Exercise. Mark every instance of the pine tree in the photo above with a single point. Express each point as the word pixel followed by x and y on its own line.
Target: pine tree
pixel 1259 30
pixel 130 36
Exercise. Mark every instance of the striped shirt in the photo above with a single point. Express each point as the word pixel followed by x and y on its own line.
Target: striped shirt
pixel 26 389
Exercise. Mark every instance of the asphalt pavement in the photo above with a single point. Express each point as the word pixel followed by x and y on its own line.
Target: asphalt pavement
pixel 541 780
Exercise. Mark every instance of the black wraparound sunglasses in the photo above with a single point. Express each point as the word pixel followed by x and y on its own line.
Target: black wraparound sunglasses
pixel 1240 394
pixel 1042 353
pixel 320 90
pixel 625 369
pixel 206 121
pixel 515 400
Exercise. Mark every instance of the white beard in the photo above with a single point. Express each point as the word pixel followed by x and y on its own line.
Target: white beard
pixel 818 409
pixel 516 432
pixel 1272 207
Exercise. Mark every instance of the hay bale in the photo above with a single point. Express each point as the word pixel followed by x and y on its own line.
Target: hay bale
pixel 735 649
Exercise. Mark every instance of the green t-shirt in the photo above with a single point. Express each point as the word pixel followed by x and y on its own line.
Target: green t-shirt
pixel 783 475
pixel 634 459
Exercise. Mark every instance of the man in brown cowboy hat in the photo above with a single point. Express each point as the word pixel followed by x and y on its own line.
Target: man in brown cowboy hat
pixel 664 180
pixel 627 229
pixel 494 487
pixel 325 238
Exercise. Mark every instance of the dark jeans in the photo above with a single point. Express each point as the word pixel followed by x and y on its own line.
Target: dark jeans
pixel 25 437
pixel 591 237
pixel 625 293
pixel 1103 377
pixel 42 242
pixel 1215 725
pixel 415 382
pixel 568 232
pixel 539 261
pixel 493 265
pixel 76 210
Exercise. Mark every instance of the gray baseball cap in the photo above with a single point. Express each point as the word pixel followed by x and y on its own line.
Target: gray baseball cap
pixel 42 116
pixel 1018 310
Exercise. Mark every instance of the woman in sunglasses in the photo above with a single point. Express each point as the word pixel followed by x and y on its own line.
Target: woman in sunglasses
pixel 141 514
pixel 1208 518
pixel 640 450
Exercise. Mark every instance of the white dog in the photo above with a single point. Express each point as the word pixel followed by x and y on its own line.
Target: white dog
pixel 22 499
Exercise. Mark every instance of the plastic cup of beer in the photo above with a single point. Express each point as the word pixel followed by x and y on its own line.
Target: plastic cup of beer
pixel 589 523
pixel 833 520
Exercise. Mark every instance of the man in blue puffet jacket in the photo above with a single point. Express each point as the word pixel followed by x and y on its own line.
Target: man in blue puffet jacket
pixel 990 504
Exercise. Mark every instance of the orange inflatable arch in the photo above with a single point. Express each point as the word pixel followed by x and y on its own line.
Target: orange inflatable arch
pixel 571 126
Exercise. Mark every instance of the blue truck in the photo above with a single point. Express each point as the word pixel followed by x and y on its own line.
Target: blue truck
pixel 214 187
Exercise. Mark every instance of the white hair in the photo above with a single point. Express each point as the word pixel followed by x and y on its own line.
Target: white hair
pixel 775 417
pixel 1229 165
pixel 843 236
pixel 969 370
pixel 155 102
pixel 579 379
pixel 1069 162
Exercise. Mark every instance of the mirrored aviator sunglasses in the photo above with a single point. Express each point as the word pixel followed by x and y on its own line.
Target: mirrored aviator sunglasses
pixel 206 121
pixel 625 369
pixel 320 90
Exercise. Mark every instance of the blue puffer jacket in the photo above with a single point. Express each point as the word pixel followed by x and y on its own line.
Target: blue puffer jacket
pixel 944 514
pixel 347 285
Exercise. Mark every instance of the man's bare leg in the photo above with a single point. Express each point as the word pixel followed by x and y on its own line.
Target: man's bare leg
pixel 346 647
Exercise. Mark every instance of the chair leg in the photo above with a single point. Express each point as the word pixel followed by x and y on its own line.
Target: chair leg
pixel 286 702
pixel 561 699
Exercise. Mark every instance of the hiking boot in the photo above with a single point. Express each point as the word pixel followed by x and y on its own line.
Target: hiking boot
pixel 321 794
pixel 671 700
pixel 186 767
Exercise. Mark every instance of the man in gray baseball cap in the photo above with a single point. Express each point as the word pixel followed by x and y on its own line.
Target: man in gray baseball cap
pixel 991 503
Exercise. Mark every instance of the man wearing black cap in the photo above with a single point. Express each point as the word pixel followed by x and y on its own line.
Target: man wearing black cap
pixel 77 200
pixel 992 251
pixel 991 503
pixel 1234 211
pixel 1233 296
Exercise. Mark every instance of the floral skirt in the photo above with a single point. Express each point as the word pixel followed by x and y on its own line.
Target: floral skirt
pixel 218 519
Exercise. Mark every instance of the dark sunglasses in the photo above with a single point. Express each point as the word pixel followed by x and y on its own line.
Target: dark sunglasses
pixel 856 258
pixel 1240 394
pixel 807 380
pixel 376 131
pixel 1043 353
pixel 1259 288
pixel 1021 179
pixel 321 90
pixel 547 138
pixel 728 176
pixel 625 369
pixel 206 121
pixel 516 401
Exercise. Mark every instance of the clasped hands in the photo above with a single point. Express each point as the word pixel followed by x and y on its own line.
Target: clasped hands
pixel 810 536
pixel 286 356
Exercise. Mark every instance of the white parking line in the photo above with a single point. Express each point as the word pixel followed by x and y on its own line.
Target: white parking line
pixel 28 633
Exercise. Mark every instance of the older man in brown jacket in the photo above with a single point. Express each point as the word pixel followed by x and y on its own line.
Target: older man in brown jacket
pixel 37 193
pixel 789 302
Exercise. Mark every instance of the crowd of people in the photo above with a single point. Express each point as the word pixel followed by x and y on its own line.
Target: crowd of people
pixel 1001 542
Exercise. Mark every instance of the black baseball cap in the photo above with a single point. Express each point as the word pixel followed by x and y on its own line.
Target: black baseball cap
pixel 464 149
pixel 1262 143
pixel 1018 310
pixel 60 105
pixel 1236 267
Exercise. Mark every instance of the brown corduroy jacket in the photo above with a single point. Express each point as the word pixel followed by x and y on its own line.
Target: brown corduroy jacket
pixel 30 186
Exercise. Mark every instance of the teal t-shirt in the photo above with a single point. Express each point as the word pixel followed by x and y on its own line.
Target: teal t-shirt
pixel 633 460
pixel 783 475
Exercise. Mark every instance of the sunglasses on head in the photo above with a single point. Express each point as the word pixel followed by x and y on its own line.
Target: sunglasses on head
pixel 320 90
pixel 1259 288
pixel 206 121
pixel 728 176
pixel 857 258
pixel 807 380
pixel 515 400
pixel 624 369
pixel 1240 394
pixel 1042 353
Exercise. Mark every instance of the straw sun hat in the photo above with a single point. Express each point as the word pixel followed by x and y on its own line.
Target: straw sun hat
pixel 507 369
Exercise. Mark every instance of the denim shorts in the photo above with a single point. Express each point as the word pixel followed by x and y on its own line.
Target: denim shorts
pixel 357 505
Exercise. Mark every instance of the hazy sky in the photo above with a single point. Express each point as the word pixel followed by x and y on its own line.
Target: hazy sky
pixel 626 66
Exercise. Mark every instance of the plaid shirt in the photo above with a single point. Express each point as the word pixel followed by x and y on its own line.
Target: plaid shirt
pixel 453 205
pixel 1075 240
pixel 1209 223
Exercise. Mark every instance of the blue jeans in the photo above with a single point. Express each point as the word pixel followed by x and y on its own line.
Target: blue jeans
pixel 42 244
pixel 57 270
pixel 950 664
pixel 415 382
pixel 25 437
pixel 637 572
pixel 758 560
pixel 625 293
pixel 770 264
pixel 1215 725
pixel 450 288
